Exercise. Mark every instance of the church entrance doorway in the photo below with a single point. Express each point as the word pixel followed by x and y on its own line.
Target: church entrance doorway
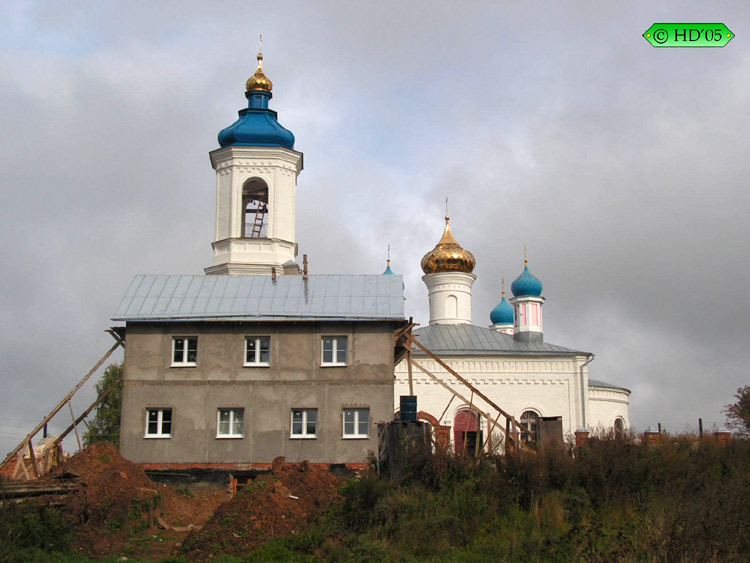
pixel 466 433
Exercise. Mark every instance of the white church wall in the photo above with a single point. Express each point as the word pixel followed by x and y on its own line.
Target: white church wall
pixel 605 406
pixel 548 387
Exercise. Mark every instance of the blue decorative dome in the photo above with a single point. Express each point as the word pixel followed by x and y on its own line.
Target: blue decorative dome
pixel 388 271
pixel 526 285
pixel 503 314
pixel 257 125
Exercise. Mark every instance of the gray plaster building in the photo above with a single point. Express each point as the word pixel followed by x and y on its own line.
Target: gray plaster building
pixel 241 369
pixel 256 359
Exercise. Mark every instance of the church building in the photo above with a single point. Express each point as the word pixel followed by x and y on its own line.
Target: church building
pixel 257 358
pixel 509 361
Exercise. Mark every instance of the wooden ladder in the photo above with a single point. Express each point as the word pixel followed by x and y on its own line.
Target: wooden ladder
pixel 260 211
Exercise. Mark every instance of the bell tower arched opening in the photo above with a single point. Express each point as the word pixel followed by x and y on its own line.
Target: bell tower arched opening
pixel 254 209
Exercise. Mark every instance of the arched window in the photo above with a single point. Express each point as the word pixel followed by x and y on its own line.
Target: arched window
pixel 451 306
pixel 254 209
pixel 530 420
pixel 619 427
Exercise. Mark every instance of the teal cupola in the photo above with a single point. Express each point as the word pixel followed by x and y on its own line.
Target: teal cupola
pixel 526 285
pixel 388 271
pixel 257 125
pixel 503 314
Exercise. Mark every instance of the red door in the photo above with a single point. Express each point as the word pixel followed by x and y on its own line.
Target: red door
pixel 466 432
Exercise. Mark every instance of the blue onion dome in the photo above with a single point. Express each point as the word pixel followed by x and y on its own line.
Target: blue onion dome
pixel 526 285
pixel 503 314
pixel 388 271
pixel 257 125
pixel 448 255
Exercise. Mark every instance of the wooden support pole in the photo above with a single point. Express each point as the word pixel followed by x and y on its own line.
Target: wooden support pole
pixel 61 404
pixel 78 438
pixel 508 445
pixel 21 464
pixel 447 368
pixel 478 443
pixel 99 399
pixel 446 408
pixel 466 429
pixel 445 386
pixel 32 457
pixel 408 367
pixel 488 441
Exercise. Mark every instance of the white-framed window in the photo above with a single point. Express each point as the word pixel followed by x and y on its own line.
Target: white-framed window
pixel 334 350
pixel 357 423
pixel 158 423
pixel 229 423
pixel 184 350
pixel 304 423
pixel 257 350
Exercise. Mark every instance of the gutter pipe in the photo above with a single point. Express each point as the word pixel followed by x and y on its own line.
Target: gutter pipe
pixel 583 389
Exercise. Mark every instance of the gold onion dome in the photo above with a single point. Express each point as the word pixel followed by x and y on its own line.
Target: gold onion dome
pixel 259 81
pixel 448 255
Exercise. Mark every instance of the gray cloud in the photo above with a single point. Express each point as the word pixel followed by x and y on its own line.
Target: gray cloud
pixel 622 167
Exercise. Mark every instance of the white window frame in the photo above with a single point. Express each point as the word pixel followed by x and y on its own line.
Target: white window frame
pixel 356 434
pixel 185 347
pixel 233 412
pixel 336 348
pixel 304 435
pixel 159 422
pixel 256 340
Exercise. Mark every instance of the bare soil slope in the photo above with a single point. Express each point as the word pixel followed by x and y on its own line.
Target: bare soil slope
pixel 272 506
pixel 118 505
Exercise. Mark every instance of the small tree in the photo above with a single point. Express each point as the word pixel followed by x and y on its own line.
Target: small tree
pixel 105 426
pixel 738 414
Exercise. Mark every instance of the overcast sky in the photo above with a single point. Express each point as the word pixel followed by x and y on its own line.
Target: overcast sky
pixel 555 125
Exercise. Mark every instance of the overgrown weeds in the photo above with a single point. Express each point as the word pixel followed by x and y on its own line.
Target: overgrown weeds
pixel 616 500
pixel 30 533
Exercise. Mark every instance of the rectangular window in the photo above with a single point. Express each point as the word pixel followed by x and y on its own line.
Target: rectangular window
pixel 184 350
pixel 304 423
pixel 334 350
pixel 258 351
pixel 356 423
pixel 229 423
pixel 158 423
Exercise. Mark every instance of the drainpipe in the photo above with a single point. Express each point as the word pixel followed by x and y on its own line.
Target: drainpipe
pixel 583 390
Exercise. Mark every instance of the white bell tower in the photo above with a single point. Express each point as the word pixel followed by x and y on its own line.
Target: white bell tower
pixel 256 179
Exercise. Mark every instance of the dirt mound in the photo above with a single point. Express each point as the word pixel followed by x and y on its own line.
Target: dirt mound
pixel 271 506
pixel 118 503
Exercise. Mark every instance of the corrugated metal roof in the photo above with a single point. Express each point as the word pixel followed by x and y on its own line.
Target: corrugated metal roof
pixel 320 297
pixel 470 340
pixel 605 385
